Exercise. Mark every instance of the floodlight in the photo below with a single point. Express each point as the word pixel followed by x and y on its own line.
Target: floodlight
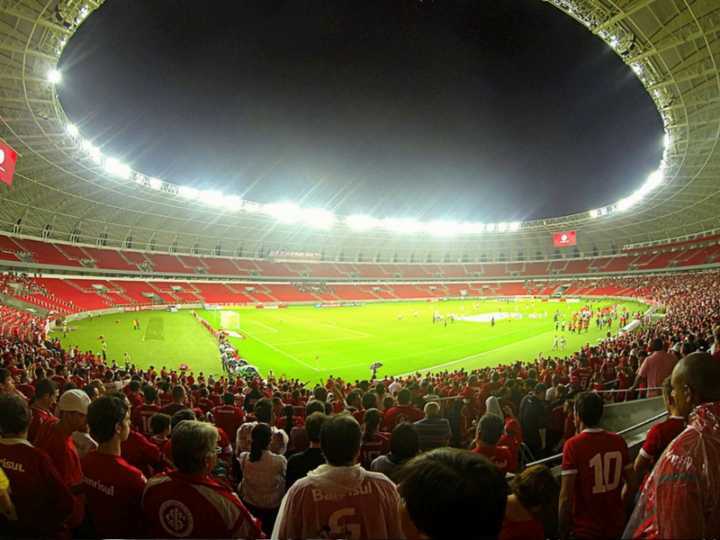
pixel 54 76
pixel 318 218
pixel 629 202
pixel 594 213
pixel 667 140
pixel 514 226
pixel 155 183
pixel 402 225
pixel 211 197
pixel 443 228
pixel 72 130
pixel 360 222
pixel 232 203
pixel 637 68
pixel 116 168
pixel 187 192
pixel 502 227
pixel 490 227
pixel 614 42
pixel 286 212
pixel 93 151
pixel 472 228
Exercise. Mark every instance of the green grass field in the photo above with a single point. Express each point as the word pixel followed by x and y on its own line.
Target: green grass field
pixel 311 343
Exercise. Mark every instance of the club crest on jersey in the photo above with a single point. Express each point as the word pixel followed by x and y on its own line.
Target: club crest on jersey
pixel 176 518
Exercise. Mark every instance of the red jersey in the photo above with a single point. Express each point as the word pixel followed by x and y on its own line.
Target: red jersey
pixel 500 456
pixel 530 529
pixel 141 417
pixel 40 417
pixel 378 445
pixel 113 490
pixel 193 506
pixel 42 500
pixel 660 436
pixel 229 418
pixel 598 459
pixel 139 452
pixel 401 413
pixel 62 452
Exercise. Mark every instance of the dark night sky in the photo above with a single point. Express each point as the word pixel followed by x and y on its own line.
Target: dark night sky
pixel 453 109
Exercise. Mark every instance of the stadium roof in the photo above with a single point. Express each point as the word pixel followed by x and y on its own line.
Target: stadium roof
pixel 64 188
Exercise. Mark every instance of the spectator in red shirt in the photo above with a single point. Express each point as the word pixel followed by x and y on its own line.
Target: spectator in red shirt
pixel 178 401
pixel 43 404
pixel 531 506
pixel 374 442
pixel 142 413
pixel 43 503
pixel 188 502
pixel 7 384
pixel 402 412
pixel 113 488
pixel 227 416
pixel 450 493
pixel 489 429
pixel 594 464
pixel 160 429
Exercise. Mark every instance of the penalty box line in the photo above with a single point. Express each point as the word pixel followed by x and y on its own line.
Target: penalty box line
pixel 280 351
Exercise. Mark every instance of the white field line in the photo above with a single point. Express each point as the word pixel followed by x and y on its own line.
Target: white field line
pixel 326 325
pixel 280 351
pixel 321 340
pixel 272 329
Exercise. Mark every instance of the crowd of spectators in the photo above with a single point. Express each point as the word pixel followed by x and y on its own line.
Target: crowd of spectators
pixel 105 450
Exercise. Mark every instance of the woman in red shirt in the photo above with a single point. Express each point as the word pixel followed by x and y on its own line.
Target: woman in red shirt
pixel 531 508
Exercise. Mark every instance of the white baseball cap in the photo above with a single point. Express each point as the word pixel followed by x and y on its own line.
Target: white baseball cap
pixel 74 401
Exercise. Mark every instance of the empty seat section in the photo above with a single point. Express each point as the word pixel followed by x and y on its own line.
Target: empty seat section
pixel 46 253
pixel 536 268
pixel 494 270
pixel 110 259
pixel 290 293
pixel 135 290
pixel 167 264
pixel 223 267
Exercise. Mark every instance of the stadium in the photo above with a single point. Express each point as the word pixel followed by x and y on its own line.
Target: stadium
pixel 118 280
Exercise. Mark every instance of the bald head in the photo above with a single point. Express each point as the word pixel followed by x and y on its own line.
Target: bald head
pixel 701 373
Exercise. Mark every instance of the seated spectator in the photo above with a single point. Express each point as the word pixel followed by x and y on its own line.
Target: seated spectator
pixel 531 511
pixel 263 477
pixel 593 465
pixel 42 406
pixel 188 502
pixel 404 445
pixel 659 436
pixel 489 431
pixel 374 442
pixel 681 497
pixel 301 463
pixel 450 493
pixel 37 488
pixel 340 498
pixel 433 430
pixel 112 487
pixel 402 412
pixel 264 414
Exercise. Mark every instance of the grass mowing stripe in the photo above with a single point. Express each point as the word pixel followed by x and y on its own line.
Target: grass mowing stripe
pixel 280 351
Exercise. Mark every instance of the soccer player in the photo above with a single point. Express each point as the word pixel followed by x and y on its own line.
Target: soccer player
pixel 43 503
pixel 594 464
pixel 113 488
pixel 450 493
pixel 340 499
pixel 188 502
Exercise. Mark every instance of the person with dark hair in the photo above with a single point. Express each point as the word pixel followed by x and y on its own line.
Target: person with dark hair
pixel 375 443
pixel 489 430
pixel 178 402
pixel 533 417
pixel 188 502
pixel 298 437
pixel 402 412
pixel 142 414
pixel 263 477
pixel 531 511
pixel 160 429
pixel 263 414
pixel 37 488
pixel 404 445
pixel 655 368
pixel 228 416
pixel 112 487
pixel 594 464
pixel 7 384
pixel 308 460
pixel 288 420
pixel 340 499
pixel 681 497
pixel 450 493
pixel 42 405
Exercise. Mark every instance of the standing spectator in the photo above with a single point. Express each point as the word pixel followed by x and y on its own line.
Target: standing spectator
pixel 450 493
pixel 655 368
pixel 593 465
pixel 188 502
pixel 300 464
pixel 298 437
pixel 143 412
pixel 533 420
pixel 113 488
pixel 264 414
pixel 404 445
pixel 263 477
pixel 433 430
pixel 340 498
pixel 160 430
pixel 7 384
pixel 531 511
pixel 402 412
pixel 43 403
pixel 37 489
pixel 489 430
pixel 228 416
pixel 178 402
pixel 681 498
pixel 374 442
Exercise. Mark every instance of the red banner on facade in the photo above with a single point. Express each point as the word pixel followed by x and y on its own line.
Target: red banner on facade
pixel 564 239
pixel 8 158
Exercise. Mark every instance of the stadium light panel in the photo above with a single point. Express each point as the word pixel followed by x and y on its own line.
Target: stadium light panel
pixel 514 226
pixel 637 68
pixel 233 203
pixel 361 222
pixel 614 42
pixel 54 76
pixel 283 212
pixel 155 183
pixel 72 130
pixel 443 228
pixel 402 225
pixel 211 197
pixel 594 213
pixel 502 227
pixel 318 218
pixel 187 192
pixel 115 168
pixel 667 141
pixel 472 228
pixel 490 227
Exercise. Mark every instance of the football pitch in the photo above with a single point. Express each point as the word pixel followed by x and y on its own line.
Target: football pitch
pixel 312 343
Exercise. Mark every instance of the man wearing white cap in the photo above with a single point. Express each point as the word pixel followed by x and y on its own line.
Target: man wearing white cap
pixel 56 440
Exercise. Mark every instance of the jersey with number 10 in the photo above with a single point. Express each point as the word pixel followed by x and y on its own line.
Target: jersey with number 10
pixel 598 459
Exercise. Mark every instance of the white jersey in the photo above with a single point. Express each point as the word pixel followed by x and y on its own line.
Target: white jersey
pixel 340 502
